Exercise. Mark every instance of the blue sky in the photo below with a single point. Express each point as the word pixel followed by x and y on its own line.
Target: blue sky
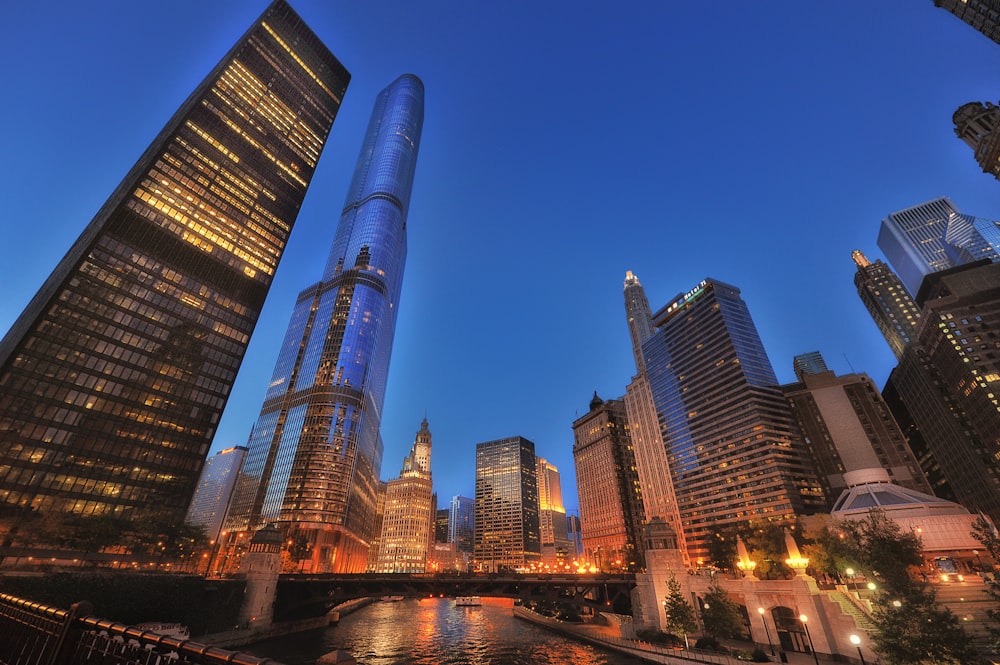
pixel 564 143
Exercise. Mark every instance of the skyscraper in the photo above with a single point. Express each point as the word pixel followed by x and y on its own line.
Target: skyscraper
pixel 639 316
pixel 506 531
pixel 408 521
pixel 978 124
pixel 316 450
pixel 114 377
pixel 850 432
pixel 913 240
pixel 734 450
pixel 983 15
pixel 461 521
pixel 948 381
pixel 887 300
pixel 551 513
pixel 607 483
pixel 215 489
pixel 651 463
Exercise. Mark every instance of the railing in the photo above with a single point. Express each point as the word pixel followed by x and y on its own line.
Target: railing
pixel 35 634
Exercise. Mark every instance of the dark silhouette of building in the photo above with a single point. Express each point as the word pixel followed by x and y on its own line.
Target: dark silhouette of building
pixel 978 124
pixel 113 379
pixel 315 453
pixel 948 383
pixel 983 15
pixel 607 484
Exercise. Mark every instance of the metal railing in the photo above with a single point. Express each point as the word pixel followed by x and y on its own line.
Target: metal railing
pixel 36 634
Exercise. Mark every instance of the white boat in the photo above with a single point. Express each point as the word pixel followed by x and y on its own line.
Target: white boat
pixel 468 601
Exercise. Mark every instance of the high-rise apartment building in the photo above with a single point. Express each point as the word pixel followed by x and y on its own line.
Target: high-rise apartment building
pixel 978 125
pixel 575 537
pixel 913 240
pixel 215 489
pixel 887 300
pixel 316 449
pixel 408 521
pixel 850 432
pixel 551 513
pixel 113 379
pixel 983 15
pixel 461 522
pixel 734 450
pixel 506 532
pixel 948 382
pixel 607 484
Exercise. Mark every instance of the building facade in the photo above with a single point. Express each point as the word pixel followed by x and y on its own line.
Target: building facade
pixel 409 517
pixel 849 430
pixel 913 241
pixel 506 531
pixel 887 300
pixel 315 452
pixel 607 483
pixel 551 514
pixel 461 523
pixel 734 450
pixel 115 376
pixel 948 383
pixel 639 317
pixel 215 489
pixel 983 15
pixel 978 125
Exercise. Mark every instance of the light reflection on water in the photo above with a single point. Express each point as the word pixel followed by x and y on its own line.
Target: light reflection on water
pixel 435 631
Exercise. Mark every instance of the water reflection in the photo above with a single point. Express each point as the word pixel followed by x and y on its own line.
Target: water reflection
pixel 435 631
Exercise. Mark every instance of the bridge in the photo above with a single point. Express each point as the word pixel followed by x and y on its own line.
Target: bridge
pixel 302 596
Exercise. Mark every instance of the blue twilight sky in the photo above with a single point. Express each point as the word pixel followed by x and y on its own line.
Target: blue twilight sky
pixel 565 143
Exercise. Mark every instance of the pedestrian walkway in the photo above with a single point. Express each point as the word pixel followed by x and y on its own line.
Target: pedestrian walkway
pixel 605 636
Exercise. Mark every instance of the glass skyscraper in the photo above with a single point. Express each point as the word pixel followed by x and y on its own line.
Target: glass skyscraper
pixel 113 379
pixel 913 241
pixel 506 531
pixel 734 451
pixel 316 450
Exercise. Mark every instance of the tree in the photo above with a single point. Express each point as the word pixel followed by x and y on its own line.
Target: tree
pixel 984 531
pixel 680 615
pixel 912 629
pixel 721 614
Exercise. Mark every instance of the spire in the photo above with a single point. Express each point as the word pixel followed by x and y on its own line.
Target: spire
pixel 639 316
pixel 860 259
pixel 596 402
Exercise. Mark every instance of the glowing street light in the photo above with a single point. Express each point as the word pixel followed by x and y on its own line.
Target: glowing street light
pixel 803 618
pixel 856 641
pixel 760 611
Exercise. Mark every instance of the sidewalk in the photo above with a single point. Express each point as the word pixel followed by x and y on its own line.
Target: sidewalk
pixel 605 637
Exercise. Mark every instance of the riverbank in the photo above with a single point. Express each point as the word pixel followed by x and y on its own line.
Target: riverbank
pixel 242 636
pixel 607 637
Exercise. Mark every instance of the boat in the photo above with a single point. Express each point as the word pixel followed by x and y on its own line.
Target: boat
pixel 468 601
pixel 391 599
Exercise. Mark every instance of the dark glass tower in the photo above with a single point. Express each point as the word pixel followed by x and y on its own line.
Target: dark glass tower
pixel 114 377
pixel 506 531
pixel 888 302
pixel 734 451
pixel 316 451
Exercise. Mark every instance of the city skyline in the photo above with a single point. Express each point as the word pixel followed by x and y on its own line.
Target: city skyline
pixel 768 154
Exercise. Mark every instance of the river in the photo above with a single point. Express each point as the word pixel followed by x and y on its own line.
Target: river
pixel 434 631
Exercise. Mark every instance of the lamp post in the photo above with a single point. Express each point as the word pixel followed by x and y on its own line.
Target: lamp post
pixel 856 641
pixel 803 618
pixel 851 580
pixel 770 644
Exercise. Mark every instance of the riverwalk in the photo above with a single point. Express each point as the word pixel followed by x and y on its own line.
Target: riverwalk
pixel 607 637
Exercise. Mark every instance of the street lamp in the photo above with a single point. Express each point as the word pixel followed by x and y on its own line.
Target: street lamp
pixel 803 618
pixel 760 611
pixel 856 641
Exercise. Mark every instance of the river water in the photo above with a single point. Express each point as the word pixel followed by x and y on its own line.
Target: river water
pixel 434 631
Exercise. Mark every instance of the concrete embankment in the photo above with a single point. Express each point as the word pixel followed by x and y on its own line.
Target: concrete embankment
pixel 244 635
pixel 603 637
